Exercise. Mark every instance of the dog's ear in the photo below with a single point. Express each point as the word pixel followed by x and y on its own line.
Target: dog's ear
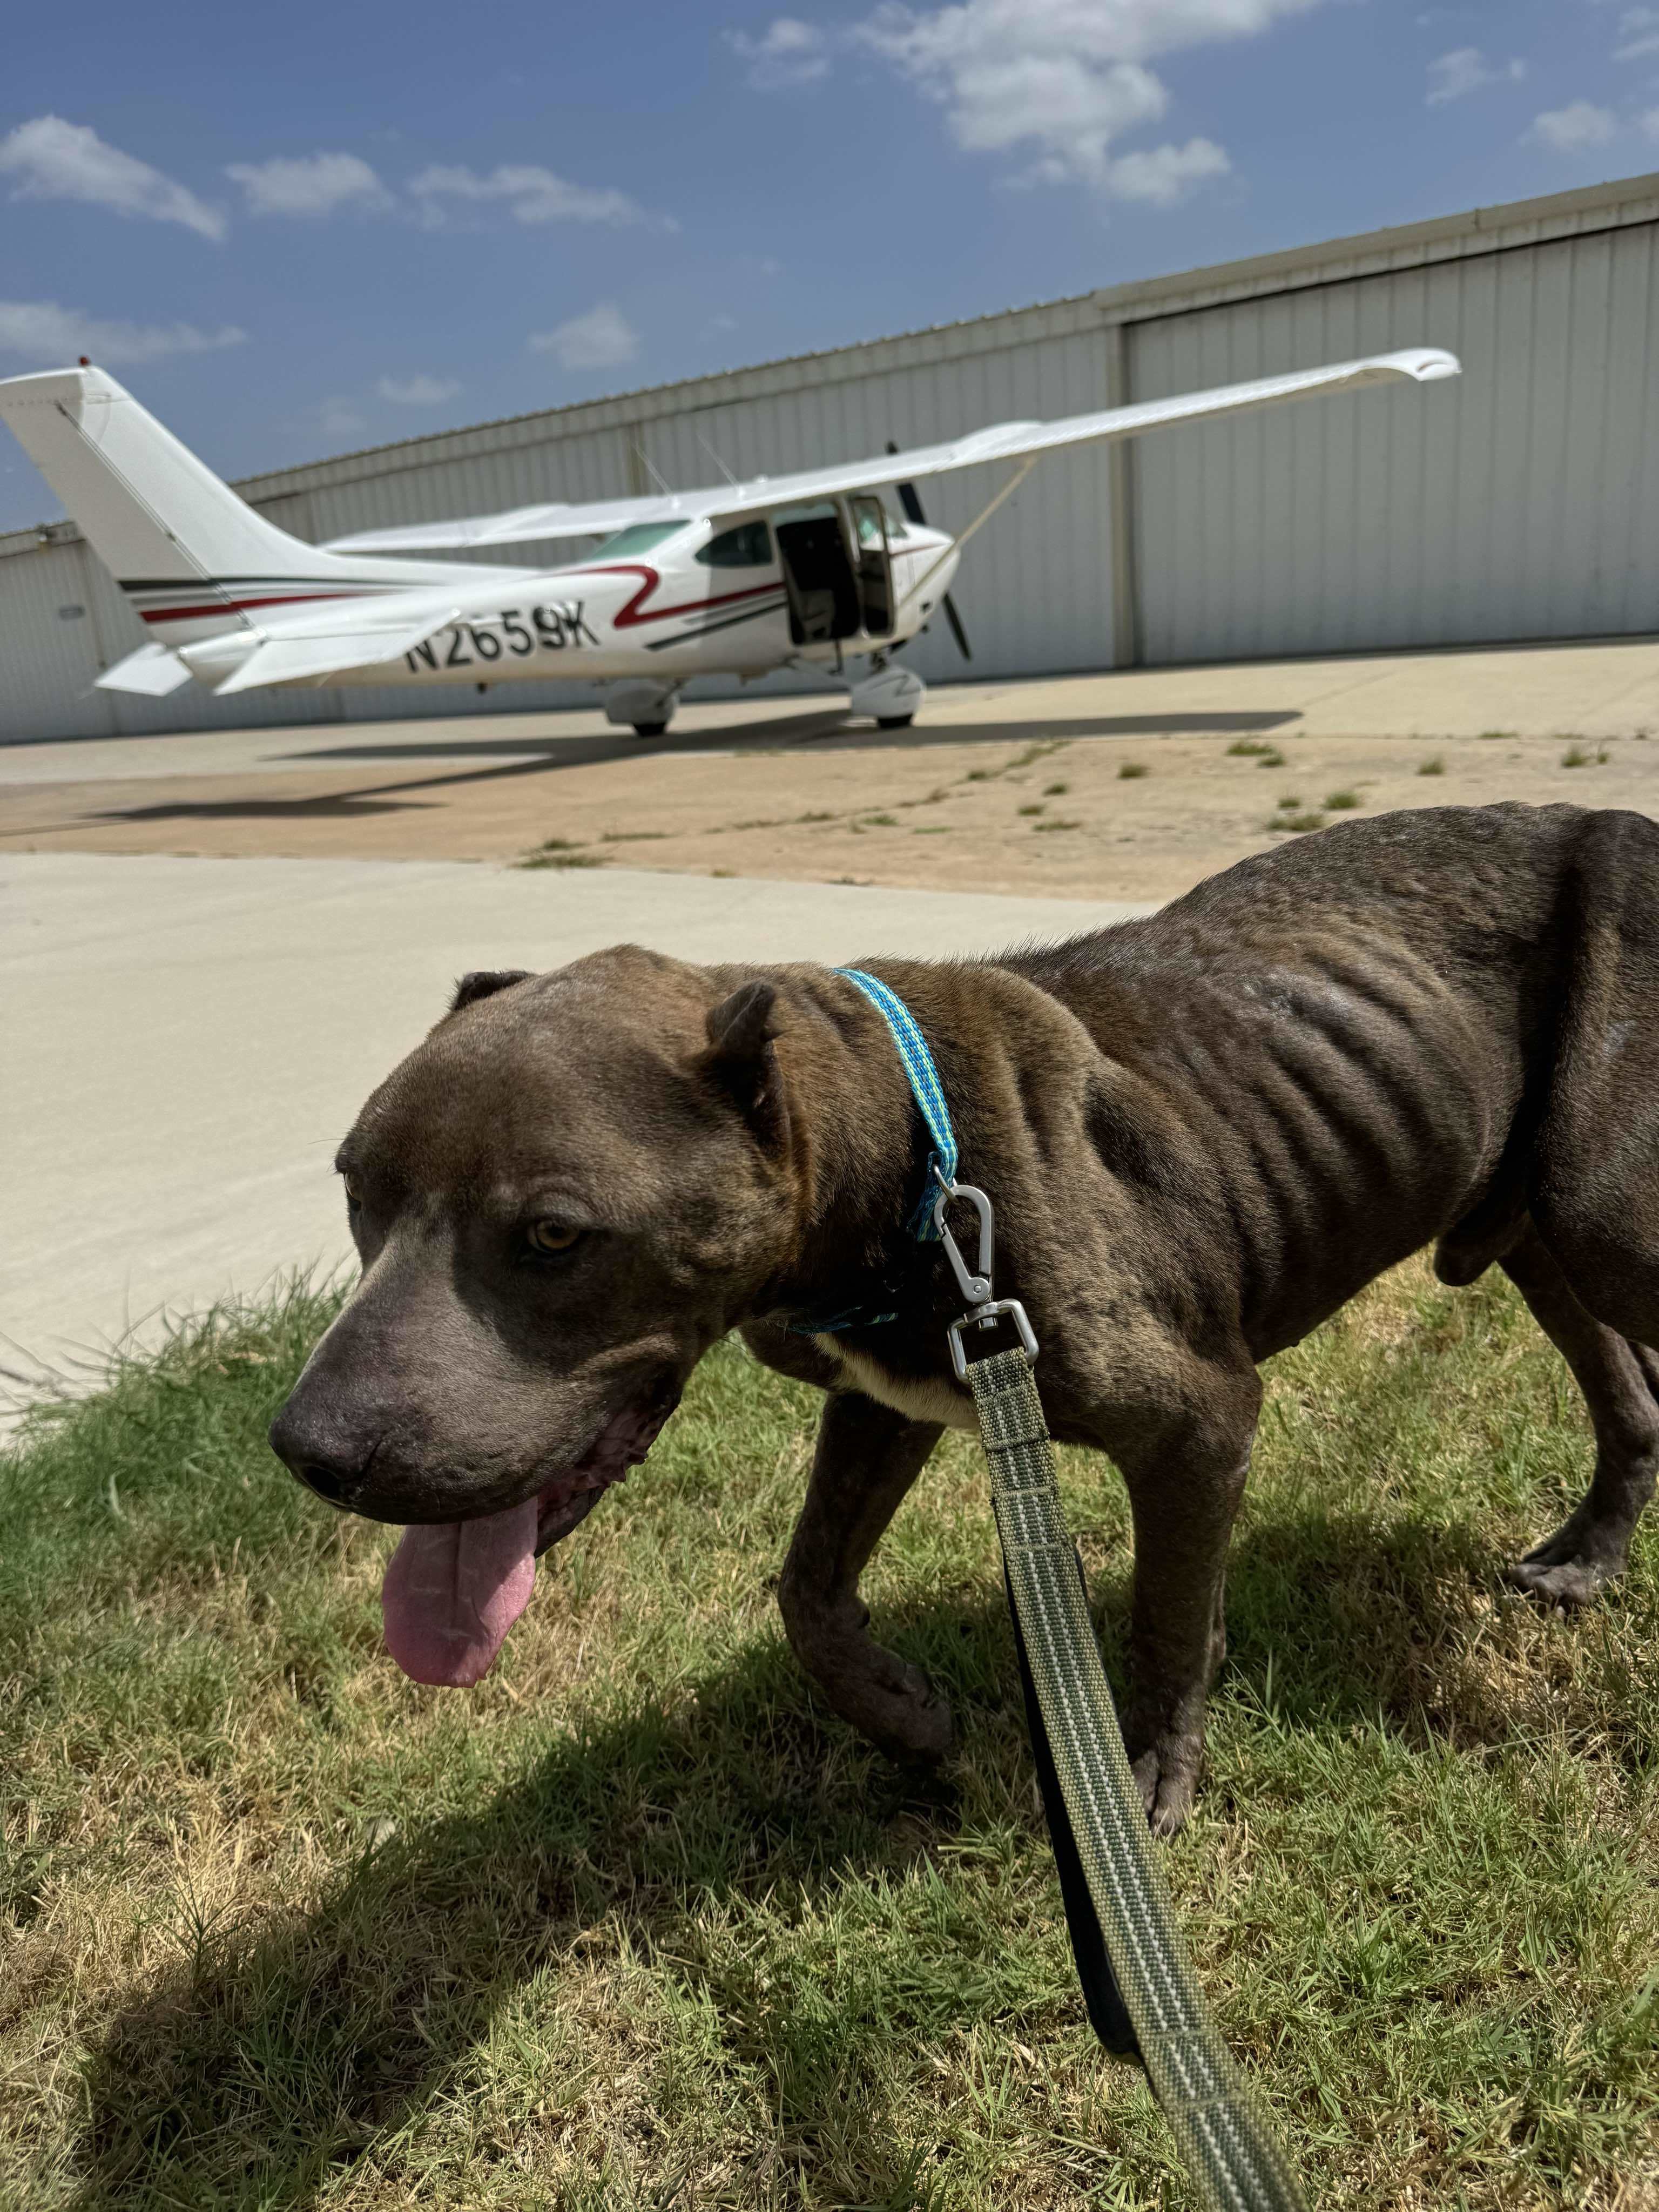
pixel 483 983
pixel 741 1058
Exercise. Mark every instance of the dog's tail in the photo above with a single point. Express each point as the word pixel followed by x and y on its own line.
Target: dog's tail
pixel 181 544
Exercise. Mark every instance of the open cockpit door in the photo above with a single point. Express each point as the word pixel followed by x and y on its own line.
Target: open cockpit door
pixel 817 572
pixel 875 566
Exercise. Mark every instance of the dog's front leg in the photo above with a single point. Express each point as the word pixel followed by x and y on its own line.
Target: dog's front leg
pixel 1185 1479
pixel 868 1457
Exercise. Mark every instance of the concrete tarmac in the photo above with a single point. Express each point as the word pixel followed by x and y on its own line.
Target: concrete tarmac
pixel 186 1041
pixel 1594 688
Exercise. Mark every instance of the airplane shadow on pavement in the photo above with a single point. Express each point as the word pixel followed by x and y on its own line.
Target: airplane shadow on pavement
pixel 536 756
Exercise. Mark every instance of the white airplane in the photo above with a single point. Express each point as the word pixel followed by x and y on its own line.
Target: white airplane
pixel 738 579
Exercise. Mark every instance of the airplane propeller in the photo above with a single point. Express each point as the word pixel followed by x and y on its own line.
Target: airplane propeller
pixel 912 505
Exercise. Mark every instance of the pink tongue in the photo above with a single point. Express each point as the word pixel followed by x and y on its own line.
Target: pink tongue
pixel 453 1589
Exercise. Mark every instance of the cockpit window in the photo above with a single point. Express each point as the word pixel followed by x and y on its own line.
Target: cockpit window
pixel 749 545
pixel 868 535
pixel 638 538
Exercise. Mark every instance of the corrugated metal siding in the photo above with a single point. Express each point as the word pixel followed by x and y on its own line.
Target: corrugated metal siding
pixel 1516 503
pixel 47 665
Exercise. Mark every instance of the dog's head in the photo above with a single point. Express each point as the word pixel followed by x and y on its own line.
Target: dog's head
pixel 561 1199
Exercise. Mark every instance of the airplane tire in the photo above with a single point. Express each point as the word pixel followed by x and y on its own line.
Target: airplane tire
pixel 649 729
pixel 894 721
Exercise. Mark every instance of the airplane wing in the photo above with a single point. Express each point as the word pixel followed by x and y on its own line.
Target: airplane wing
pixel 520 525
pixel 1002 441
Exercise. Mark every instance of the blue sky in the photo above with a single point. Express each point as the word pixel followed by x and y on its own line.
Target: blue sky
pixel 298 231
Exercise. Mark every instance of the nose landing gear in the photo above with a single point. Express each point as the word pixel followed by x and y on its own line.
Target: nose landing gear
pixel 889 693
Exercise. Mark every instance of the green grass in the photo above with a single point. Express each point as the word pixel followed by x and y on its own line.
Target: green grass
pixel 1129 770
pixel 1433 767
pixel 1342 802
pixel 638 1923
pixel 1577 756
pixel 1297 824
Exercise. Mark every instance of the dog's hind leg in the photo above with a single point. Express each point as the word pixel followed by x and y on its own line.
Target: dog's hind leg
pixel 868 1457
pixel 1617 1379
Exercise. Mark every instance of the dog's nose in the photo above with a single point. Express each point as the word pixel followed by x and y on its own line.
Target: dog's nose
pixel 329 1482
pixel 331 1465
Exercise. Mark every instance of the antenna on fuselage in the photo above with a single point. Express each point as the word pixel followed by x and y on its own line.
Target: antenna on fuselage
pixel 655 474
pixel 714 457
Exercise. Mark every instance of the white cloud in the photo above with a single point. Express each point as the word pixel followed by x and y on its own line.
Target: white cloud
pixel 416 391
pixel 1166 174
pixel 341 418
pixel 1466 69
pixel 309 185
pixel 1066 78
pixel 531 194
pixel 787 52
pixel 1638 27
pixel 1648 122
pixel 59 161
pixel 40 330
pixel 602 338
pixel 1574 128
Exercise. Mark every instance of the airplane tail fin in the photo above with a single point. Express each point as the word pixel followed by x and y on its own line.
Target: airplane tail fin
pixel 156 517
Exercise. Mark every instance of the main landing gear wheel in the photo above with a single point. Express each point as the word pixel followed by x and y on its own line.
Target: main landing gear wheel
pixel 642 706
pixel 894 721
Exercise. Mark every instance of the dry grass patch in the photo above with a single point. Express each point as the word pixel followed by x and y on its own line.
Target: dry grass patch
pixel 638 1923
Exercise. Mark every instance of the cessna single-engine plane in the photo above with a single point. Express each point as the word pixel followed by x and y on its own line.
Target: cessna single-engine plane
pixel 808 570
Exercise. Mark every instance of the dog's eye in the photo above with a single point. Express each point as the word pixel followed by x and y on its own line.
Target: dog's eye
pixel 549 1237
pixel 354 1194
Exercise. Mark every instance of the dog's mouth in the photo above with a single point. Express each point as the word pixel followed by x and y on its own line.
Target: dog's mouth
pixel 453 1589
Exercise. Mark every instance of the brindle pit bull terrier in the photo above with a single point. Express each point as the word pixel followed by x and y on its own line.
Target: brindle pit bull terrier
pixel 1202 1132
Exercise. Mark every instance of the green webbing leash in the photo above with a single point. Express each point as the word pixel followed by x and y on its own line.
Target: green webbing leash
pixel 1138 1982
pixel 1228 2150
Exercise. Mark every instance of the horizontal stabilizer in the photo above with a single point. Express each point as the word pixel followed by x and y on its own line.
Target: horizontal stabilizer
pixel 1000 441
pixel 322 640
pixel 153 670
pixel 296 660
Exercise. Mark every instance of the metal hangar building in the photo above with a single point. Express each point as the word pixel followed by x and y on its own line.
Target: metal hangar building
pixel 1520 502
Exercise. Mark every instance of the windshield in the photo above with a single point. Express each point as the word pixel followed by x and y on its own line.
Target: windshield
pixel 638 538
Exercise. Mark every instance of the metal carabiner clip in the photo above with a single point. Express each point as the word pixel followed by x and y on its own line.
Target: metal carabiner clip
pixel 975 1286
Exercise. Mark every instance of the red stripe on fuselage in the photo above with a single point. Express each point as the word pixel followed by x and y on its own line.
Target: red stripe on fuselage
pixel 630 616
pixel 240 606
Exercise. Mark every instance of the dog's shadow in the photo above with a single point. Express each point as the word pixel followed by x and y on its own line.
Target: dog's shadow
pixel 281 2058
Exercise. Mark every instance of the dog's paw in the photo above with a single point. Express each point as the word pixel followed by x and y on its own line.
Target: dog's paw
pixel 898 1707
pixel 1563 1581
pixel 1167 1778
pixel 1572 1566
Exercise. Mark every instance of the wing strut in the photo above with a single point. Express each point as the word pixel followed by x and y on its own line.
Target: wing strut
pixel 978 523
